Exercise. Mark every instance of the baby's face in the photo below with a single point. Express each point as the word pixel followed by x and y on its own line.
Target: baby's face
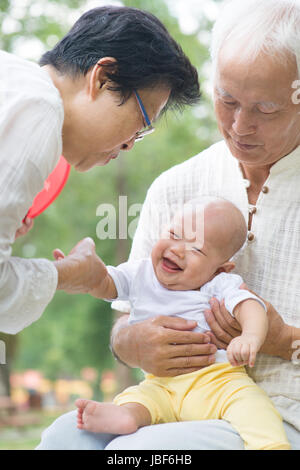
pixel 184 258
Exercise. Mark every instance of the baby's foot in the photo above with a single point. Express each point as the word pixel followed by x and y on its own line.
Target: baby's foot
pixel 94 416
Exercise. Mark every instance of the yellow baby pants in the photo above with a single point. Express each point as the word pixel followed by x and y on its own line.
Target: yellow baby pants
pixel 219 391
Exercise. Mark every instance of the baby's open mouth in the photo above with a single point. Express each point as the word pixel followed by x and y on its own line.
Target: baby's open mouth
pixel 170 266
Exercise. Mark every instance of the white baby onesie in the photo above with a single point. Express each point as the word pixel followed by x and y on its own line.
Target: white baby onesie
pixel 136 281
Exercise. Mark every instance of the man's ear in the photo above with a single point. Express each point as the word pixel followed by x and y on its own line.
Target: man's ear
pixel 97 76
pixel 226 267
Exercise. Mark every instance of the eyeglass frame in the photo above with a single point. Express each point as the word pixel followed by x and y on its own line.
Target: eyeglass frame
pixel 149 128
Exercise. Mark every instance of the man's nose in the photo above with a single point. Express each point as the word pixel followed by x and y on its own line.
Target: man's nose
pixel 243 124
pixel 129 144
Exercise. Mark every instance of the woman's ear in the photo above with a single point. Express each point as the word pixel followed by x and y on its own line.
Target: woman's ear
pixel 226 267
pixel 97 76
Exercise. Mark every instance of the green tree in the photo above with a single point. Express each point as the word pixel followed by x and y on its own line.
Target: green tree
pixel 74 330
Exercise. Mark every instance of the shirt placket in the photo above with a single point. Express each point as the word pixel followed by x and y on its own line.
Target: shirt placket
pixel 254 209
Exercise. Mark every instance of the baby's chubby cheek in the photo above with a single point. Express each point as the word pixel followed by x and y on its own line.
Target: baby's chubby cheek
pixel 158 250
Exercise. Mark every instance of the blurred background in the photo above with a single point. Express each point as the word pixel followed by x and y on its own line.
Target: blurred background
pixel 66 353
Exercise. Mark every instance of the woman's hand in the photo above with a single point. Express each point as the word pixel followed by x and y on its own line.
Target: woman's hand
pixel 163 346
pixel 81 271
pixel 26 226
pixel 224 328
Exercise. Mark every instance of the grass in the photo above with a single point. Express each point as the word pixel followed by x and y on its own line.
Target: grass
pixel 27 438
pixel 22 444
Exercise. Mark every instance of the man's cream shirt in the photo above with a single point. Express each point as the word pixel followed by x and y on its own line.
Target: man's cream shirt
pixel 270 261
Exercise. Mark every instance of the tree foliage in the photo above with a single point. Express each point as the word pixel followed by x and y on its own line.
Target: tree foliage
pixel 74 330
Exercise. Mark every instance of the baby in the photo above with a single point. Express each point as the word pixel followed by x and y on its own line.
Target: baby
pixel 189 265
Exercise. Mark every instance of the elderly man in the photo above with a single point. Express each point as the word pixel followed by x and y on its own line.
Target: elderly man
pixel 256 60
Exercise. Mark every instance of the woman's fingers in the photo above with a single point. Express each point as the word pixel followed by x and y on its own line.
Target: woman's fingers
pixel 26 226
pixel 58 254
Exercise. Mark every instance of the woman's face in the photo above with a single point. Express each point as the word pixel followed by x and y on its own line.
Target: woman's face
pixel 98 127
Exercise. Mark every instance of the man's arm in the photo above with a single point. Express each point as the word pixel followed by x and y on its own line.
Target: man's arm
pixel 279 340
pixel 163 346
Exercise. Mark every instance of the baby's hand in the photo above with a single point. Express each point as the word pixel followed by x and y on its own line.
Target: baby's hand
pixel 242 350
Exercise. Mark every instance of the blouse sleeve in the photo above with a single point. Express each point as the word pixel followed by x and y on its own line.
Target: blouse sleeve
pixel 30 137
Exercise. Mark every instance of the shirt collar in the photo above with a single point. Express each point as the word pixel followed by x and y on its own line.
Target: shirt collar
pixel 289 162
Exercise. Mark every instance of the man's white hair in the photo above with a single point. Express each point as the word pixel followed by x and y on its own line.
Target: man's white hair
pixel 255 26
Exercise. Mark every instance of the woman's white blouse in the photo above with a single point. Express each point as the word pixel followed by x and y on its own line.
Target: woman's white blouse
pixel 31 119
pixel 269 262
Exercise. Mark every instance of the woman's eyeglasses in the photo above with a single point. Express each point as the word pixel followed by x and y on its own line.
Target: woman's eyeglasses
pixel 148 126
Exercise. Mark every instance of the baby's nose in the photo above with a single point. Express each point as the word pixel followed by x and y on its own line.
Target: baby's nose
pixel 179 249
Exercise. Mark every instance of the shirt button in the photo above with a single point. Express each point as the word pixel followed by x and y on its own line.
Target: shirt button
pixel 251 237
pixel 265 189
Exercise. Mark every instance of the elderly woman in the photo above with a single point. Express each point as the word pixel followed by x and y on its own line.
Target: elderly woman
pixel 95 94
pixel 256 60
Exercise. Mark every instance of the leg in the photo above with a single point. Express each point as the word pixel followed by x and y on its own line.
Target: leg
pixel 293 435
pixel 198 435
pixel 64 435
pixel 251 412
pixel 189 435
pixel 98 417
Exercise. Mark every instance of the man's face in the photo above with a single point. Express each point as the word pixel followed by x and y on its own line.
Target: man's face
pixel 254 108
pixel 182 259
pixel 100 128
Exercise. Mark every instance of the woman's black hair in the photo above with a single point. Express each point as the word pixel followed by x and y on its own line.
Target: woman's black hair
pixel 145 52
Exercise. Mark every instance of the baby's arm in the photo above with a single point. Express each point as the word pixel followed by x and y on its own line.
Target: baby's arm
pixel 253 319
pixel 106 288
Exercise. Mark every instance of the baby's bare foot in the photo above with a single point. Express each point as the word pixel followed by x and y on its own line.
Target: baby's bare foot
pixel 94 416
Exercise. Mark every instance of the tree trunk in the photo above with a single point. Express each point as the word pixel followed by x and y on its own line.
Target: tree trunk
pixel 4 381
pixel 10 342
pixel 124 374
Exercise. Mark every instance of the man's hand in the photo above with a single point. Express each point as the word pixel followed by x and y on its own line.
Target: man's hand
pixel 163 346
pixel 224 328
pixel 82 271
pixel 26 226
